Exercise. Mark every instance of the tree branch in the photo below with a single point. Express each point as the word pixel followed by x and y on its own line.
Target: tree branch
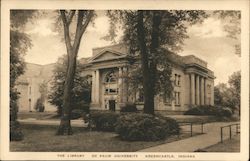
pixel 66 30
pixel 80 29
pixel 71 15
pixel 88 18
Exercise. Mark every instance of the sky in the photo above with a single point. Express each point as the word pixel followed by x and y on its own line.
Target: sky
pixel 207 41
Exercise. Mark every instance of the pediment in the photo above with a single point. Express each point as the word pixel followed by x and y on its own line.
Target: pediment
pixel 107 55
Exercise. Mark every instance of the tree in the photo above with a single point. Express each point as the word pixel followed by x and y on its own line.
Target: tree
pixel 235 85
pixel 19 45
pixel 80 91
pixel 231 21
pixel 154 36
pixel 220 94
pixel 229 96
pixel 83 18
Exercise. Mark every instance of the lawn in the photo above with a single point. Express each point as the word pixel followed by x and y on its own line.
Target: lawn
pixel 37 115
pixel 232 145
pixel 178 118
pixel 43 139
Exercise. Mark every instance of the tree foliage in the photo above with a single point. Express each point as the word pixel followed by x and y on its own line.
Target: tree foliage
pixel 229 96
pixel 72 41
pixel 152 36
pixel 80 91
pixel 231 21
pixel 19 45
pixel 235 85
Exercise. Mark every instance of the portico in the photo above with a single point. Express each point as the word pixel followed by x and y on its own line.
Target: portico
pixel 201 82
pixel 199 90
pixel 109 82
pixel 193 82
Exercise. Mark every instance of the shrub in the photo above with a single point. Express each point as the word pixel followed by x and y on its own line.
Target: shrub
pixel 171 125
pixel 78 109
pixel 15 131
pixel 82 105
pixel 39 105
pixel 194 111
pixel 144 127
pixel 103 121
pixel 209 110
pixel 76 114
pixel 225 112
pixel 129 107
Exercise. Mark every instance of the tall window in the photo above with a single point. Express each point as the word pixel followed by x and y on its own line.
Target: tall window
pixel 139 95
pixel 110 83
pixel 209 94
pixel 177 98
pixel 209 89
pixel 177 79
pixel 167 100
pixel 111 77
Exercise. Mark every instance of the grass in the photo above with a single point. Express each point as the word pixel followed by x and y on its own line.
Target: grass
pixel 232 145
pixel 43 139
pixel 178 118
pixel 37 115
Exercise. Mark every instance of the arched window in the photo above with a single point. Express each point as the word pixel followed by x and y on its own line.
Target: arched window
pixel 110 82
pixel 110 77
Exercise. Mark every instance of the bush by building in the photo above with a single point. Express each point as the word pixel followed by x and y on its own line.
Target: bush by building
pixel 39 105
pixel 171 125
pixel 103 121
pixel 81 90
pixel 225 112
pixel 145 127
pixel 15 131
pixel 209 110
pixel 129 107
pixel 78 109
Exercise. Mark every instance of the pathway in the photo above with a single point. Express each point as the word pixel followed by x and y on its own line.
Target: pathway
pixel 211 137
pixel 74 123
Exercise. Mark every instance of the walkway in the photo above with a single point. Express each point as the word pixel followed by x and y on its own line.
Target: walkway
pixel 211 137
pixel 191 144
pixel 74 123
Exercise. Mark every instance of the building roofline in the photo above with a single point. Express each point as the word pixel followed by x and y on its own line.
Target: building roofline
pixel 107 46
pixel 33 63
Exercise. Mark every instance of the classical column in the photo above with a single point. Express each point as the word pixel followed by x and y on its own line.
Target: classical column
pixel 125 86
pixel 212 93
pixel 205 92
pixel 120 84
pixel 192 89
pixel 97 86
pixel 93 88
pixel 197 95
pixel 202 91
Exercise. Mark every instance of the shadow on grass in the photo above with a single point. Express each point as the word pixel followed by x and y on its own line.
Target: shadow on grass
pixel 39 138
pixel 230 145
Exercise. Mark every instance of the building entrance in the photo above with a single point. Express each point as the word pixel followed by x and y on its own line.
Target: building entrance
pixel 112 105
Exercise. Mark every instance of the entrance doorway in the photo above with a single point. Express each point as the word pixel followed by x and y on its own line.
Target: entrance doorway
pixel 112 105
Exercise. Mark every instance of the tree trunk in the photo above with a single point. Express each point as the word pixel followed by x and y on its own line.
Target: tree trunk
pixel 153 53
pixel 148 100
pixel 65 126
pixel 72 51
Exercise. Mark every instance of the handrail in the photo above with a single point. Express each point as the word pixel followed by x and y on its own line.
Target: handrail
pixel 231 125
pixel 191 126
pixel 230 130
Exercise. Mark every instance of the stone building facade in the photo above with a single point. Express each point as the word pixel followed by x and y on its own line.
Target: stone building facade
pixel 28 85
pixel 193 82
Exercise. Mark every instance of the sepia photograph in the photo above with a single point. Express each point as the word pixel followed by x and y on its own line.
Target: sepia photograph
pixel 165 83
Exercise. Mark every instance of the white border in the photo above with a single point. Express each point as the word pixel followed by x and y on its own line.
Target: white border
pixel 6 5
